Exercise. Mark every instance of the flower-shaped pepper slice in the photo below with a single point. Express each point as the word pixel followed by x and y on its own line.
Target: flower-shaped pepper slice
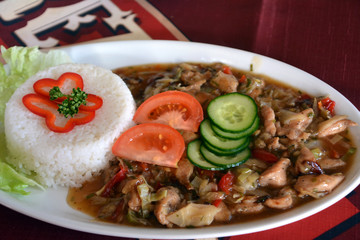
pixel 66 82
pixel 56 122
pixel 69 100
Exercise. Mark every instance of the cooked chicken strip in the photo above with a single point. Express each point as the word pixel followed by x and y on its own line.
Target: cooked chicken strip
pixel 167 205
pixel 317 186
pixel 329 163
pixel 225 82
pixel 249 205
pixel 334 125
pixel 275 176
pixel 269 119
pixel 306 163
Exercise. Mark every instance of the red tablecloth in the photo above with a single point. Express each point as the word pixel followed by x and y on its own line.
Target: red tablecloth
pixel 320 37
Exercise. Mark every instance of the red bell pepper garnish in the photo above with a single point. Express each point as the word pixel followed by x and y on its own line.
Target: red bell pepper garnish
pixel 48 109
pixel 70 83
pixel 217 202
pixel 264 155
pixel 327 104
pixel 226 69
pixel 117 178
pixel 66 82
pixel 226 182
pixel 93 103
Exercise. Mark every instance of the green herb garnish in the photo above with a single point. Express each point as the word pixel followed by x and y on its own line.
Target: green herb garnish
pixel 69 106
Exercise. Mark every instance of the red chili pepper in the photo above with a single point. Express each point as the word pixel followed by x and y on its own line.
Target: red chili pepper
pixel 217 202
pixel 334 154
pixel 226 69
pixel 327 104
pixel 264 155
pixel 207 173
pixel 144 166
pixel 48 109
pixel 159 185
pixel 119 210
pixel 242 79
pixel 118 177
pixel 304 96
pixel 226 182
pixel 70 80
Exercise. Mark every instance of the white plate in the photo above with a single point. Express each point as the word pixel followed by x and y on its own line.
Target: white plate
pixel 50 205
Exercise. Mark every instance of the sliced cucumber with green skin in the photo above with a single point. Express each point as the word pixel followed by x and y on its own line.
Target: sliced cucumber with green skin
pixel 245 133
pixel 225 161
pixel 196 158
pixel 226 152
pixel 208 134
pixel 233 112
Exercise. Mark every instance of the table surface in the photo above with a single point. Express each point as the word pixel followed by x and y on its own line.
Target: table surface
pixel 320 37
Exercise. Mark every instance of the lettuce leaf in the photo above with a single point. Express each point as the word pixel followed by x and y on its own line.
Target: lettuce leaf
pixel 20 64
pixel 12 181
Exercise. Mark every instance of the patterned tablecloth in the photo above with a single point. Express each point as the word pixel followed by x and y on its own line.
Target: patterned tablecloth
pixel 320 37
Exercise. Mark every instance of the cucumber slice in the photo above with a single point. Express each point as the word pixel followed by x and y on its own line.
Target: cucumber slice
pixel 195 157
pixel 244 133
pixel 233 112
pixel 226 152
pixel 225 161
pixel 218 142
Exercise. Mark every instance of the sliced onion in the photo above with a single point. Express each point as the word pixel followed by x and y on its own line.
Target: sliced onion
pixel 336 138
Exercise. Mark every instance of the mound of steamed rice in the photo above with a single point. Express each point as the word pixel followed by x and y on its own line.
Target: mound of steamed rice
pixel 68 159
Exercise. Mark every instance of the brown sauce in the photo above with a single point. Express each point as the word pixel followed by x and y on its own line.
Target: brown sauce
pixel 77 198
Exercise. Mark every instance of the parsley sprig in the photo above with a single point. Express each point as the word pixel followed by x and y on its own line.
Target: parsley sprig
pixel 69 106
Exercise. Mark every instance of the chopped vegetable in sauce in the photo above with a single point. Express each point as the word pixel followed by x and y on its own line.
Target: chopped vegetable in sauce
pixel 291 148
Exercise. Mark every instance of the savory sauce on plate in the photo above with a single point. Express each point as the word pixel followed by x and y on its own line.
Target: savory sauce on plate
pixel 298 154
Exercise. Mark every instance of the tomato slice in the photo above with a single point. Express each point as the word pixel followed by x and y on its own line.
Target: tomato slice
pixel 177 109
pixel 152 143
pixel 226 182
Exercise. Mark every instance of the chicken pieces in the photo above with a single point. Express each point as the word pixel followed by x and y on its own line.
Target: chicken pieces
pixel 275 176
pixel 167 205
pixel 317 185
pixel 334 125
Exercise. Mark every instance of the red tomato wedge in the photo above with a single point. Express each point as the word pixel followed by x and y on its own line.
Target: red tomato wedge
pixel 177 109
pixel 152 143
pixel 226 182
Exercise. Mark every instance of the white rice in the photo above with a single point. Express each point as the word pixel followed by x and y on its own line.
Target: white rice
pixel 68 159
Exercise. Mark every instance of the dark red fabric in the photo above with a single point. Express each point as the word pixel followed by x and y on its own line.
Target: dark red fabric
pixel 321 37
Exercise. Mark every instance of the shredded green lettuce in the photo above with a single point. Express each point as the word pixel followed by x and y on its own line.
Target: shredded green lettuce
pixel 12 181
pixel 20 64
